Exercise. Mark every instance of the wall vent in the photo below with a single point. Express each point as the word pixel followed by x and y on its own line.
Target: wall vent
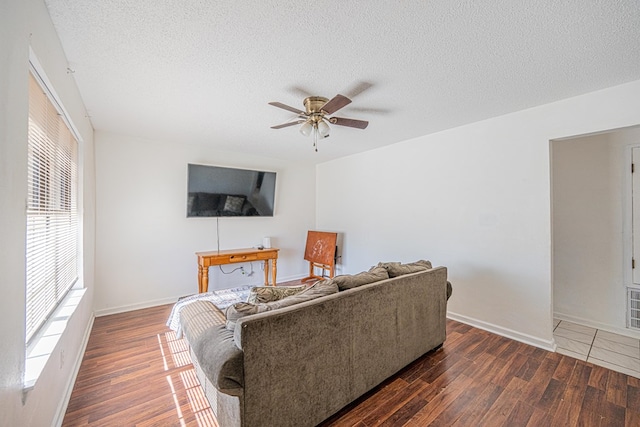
pixel 633 302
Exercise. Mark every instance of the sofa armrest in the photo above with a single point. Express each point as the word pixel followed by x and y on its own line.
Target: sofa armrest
pixel 220 359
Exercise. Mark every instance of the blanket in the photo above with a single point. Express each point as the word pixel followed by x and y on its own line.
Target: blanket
pixel 222 299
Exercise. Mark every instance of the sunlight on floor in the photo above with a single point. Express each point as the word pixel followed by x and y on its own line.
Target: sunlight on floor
pixel 175 400
pixel 178 350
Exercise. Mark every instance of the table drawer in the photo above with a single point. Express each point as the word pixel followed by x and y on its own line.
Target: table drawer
pixel 243 258
pixel 206 259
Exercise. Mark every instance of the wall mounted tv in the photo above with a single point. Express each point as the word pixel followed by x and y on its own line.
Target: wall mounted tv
pixel 216 191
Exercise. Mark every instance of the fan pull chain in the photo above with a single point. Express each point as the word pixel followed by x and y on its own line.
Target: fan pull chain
pixel 315 137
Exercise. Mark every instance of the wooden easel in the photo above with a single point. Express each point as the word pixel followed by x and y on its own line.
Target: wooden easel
pixel 320 251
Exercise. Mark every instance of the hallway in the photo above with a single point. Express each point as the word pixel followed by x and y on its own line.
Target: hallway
pixel 617 352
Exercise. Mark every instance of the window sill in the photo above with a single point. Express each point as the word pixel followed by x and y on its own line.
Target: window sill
pixel 44 343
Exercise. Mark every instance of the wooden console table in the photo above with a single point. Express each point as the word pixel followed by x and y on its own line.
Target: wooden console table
pixel 232 256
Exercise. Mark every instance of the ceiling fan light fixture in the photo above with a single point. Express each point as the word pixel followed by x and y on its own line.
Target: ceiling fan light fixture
pixel 323 128
pixel 306 128
pixel 315 119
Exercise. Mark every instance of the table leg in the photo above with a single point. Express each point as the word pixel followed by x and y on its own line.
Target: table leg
pixel 203 279
pixel 274 270
pixel 266 272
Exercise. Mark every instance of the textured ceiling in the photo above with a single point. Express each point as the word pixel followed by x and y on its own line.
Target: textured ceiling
pixel 203 71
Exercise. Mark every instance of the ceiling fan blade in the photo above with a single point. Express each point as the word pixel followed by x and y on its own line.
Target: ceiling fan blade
pixel 335 103
pixel 284 125
pixel 353 123
pixel 358 89
pixel 300 91
pixel 370 110
pixel 286 107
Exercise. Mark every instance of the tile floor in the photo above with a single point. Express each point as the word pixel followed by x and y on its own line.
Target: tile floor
pixel 616 352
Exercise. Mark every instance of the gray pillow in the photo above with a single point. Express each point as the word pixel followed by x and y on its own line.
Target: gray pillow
pixel 396 269
pixel 349 281
pixel 242 309
pixel 233 204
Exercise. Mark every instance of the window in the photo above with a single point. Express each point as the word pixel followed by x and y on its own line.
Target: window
pixel 52 214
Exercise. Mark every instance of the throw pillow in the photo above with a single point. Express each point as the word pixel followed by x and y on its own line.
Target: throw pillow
pixel 241 309
pixel 233 204
pixel 396 269
pixel 272 293
pixel 348 281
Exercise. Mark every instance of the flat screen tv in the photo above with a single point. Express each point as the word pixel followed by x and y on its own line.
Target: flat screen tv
pixel 216 191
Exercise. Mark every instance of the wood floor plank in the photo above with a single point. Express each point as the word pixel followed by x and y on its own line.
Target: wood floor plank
pixel 437 403
pixel 519 415
pixel 551 396
pixel 539 418
pixel 530 367
pixel 632 419
pixel 599 377
pixel 565 369
pixel 380 414
pixel 362 407
pixel 483 367
pixel 617 389
pixel 570 404
pixel 589 412
pixel 511 367
pixel 538 384
pixel 499 412
pixel 480 406
pixel 135 372
pixel 461 404
pixel 633 398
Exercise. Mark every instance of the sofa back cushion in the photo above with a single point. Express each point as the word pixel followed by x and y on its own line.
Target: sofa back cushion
pixel 349 281
pixel 242 309
pixel 396 269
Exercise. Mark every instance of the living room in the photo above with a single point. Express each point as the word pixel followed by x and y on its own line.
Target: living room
pixel 474 196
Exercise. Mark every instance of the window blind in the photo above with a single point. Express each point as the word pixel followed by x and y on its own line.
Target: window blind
pixel 52 214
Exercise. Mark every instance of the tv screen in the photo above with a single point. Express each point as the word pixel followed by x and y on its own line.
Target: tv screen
pixel 215 191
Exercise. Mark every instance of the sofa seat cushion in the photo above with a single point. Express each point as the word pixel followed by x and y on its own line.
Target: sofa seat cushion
pixel 349 281
pixel 242 309
pixel 396 269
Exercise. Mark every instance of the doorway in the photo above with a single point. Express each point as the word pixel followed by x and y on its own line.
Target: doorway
pixel 592 229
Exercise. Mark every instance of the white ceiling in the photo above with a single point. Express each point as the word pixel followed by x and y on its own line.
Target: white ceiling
pixel 203 71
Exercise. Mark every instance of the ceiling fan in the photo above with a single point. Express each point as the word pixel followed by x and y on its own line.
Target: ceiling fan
pixel 315 119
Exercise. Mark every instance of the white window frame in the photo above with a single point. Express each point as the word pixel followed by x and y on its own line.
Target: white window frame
pixel 52 207
pixel 44 341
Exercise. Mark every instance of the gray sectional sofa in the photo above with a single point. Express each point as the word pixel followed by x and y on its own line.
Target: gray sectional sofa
pixel 296 364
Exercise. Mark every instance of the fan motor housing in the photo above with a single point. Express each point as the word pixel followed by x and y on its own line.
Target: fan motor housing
pixel 313 104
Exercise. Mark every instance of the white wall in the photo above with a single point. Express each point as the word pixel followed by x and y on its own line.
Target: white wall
pixel 590 203
pixel 476 199
pixel 146 244
pixel 23 24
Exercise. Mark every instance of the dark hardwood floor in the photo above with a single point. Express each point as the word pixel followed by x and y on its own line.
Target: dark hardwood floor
pixel 135 373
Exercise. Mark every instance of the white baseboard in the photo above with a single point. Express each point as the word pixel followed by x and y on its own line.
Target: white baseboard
pixel 549 345
pixel 62 409
pixel 597 325
pixel 136 306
